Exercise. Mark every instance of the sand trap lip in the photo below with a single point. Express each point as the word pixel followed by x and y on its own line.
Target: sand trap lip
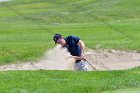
pixel 4 0
pixel 100 59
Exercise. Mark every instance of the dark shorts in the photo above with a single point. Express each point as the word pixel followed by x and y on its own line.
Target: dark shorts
pixel 77 61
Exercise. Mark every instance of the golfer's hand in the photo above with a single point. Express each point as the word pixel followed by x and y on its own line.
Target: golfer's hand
pixel 83 58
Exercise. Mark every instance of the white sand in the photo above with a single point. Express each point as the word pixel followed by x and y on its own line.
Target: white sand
pixel 58 59
pixel 54 59
pixel 113 59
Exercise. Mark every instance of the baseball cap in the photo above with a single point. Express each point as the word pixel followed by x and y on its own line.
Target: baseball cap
pixel 56 37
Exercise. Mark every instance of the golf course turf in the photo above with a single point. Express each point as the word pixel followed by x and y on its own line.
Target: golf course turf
pixel 27 28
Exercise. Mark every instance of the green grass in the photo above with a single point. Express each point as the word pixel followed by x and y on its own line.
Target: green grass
pixel 68 81
pixel 27 27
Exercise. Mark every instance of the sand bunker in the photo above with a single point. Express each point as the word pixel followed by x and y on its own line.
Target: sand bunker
pixel 54 59
pixel 113 59
pixel 58 59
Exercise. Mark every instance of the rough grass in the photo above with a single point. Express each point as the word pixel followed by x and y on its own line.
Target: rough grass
pixel 68 81
pixel 27 27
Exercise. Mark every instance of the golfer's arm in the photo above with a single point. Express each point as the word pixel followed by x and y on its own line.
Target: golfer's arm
pixel 78 58
pixel 82 46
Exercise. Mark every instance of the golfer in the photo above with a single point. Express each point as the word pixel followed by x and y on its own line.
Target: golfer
pixel 76 48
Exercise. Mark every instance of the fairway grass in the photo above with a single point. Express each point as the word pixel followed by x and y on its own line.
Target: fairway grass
pixel 27 27
pixel 68 81
pixel 30 44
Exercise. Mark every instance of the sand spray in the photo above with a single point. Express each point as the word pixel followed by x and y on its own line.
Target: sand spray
pixel 58 58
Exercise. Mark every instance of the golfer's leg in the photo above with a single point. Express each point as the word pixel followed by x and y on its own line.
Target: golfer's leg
pixel 83 66
pixel 77 66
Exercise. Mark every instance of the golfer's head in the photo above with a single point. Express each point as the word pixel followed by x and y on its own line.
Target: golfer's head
pixel 58 39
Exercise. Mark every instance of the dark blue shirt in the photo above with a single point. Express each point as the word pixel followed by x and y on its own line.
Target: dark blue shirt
pixel 72 45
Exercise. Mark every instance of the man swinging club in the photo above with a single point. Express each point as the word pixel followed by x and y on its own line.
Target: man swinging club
pixel 76 48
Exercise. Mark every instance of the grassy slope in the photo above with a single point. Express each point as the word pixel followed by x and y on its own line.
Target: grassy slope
pixel 68 82
pixel 27 27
